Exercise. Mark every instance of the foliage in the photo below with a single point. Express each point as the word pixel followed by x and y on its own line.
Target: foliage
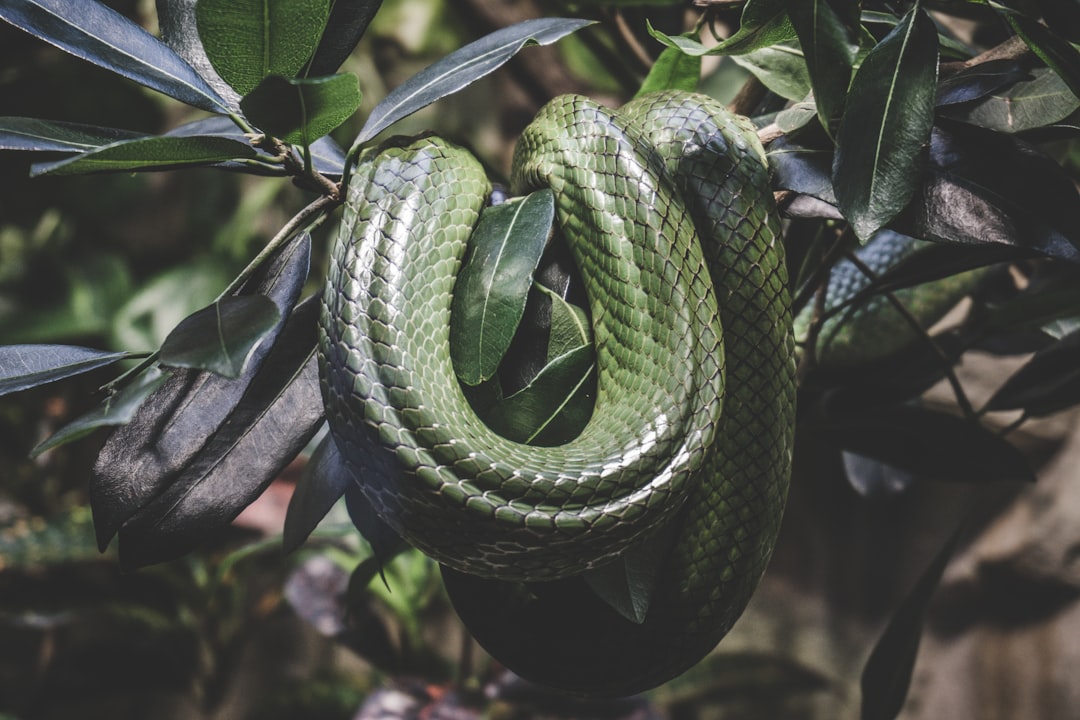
pixel 876 119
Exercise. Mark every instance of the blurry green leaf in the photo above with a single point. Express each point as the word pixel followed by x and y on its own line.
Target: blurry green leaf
pixel 554 407
pixel 321 485
pixel 1040 101
pixel 115 410
pixel 492 287
pixel 63 538
pixel 887 673
pixel 26 366
pixel 346 25
pixel 1057 53
pixel 673 70
pixel 459 69
pixel 21 133
pixel 569 326
pixel 95 32
pixel 890 110
pixel 781 68
pixel 149 153
pixel 829 51
pixel 247 40
pixel 763 23
pixel 302 110
pixel 220 338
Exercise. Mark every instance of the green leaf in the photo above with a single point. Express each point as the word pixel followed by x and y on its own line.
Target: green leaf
pixel 1043 100
pixel 880 149
pixel 96 33
pixel 219 338
pixel 302 110
pixel 763 23
pixel 830 54
pixel 149 153
pixel 247 40
pixel 491 289
pixel 569 325
pixel 627 583
pixel 673 70
pixel 23 133
pixel 554 407
pixel 887 673
pixel 179 30
pixel 325 478
pixel 781 68
pixel 459 69
pixel 1057 53
pixel 26 366
pixel 115 410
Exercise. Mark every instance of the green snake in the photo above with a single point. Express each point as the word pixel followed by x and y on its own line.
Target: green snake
pixel 668 212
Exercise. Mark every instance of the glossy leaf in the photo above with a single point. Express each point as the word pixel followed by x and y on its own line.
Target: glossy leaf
pixel 978 81
pixel 302 110
pixel 781 68
pixel 829 53
pixel 114 410
pixel 673 70
pixel 459 69
pixel 348 21
pixel 803 169
pixel 569 328
pixel 1053 50
pixel 763 23
pixel 322 484
pixel 887 673
pixel 140 460
pixel 1047 383
pixel 492 287
pixel 23 133
pixel 149 153
pixel 1028 104
pixel 554 407
pixel 880 145
pixel 986 187
pixel 248 40
pixel 179 30
pixel 26 366
pixel 221 338
pixel 98 34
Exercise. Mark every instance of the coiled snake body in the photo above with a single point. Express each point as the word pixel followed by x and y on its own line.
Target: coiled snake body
pixel 690 440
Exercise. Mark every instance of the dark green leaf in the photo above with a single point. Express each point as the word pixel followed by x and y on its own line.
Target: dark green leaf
pixel 627 583
pixel 348 21
pixel 149 153
pixel 247 40
pixel 1056 52
pixel 890 110
pixel 673 70
pixel 179 30
pixel 99 34
pixel 763 23
pixel 931 445
pixel 26 366
pixel 384 542
pixel 829 50
pixel 492 287
pixel 1028 104
pixel 977 82
pixel 115 410
pixel 300 111
pixel 141 459
pixel 986 187
pixel 1047 383
pixel 459 69
pixel 781 68
pixel 805 170
pixel 569 328
pixel 322 484
pixel 554 407
pixel 887 673
pixel 21 133
pixel 220 338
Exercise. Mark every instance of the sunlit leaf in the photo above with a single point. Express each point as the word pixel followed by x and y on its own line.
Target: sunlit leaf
pixel 673 70
pixel 763 23
pixel 95 32
pixel 149 153
pixel 781 68
pixel 220 338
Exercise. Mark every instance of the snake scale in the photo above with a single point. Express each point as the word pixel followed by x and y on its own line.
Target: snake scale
pixel 667 209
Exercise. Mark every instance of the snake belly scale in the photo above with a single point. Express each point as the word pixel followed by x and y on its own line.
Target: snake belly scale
pixel 690 439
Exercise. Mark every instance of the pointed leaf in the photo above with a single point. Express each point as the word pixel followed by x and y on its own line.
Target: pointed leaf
pixel 99 34
pixel 22 133
pixel 384 542
pixel 830 54
pixel 348 21
pixel 149 153
pixel 492 287
pixel 570 327
pixel 887 673
pixel 978 81
pixel 781 68
pixel 627 583
pixel 26 366
pixel 220 338
pixel 673 70
pixel 140 460
pixel 1047 383
pixel 461 68
pixel 115 410
pixel 1053 50
pixel 302 110
pixel 247 40
pixel 1043 100
pixel 179 30
pixel 763 23
pixel 322 484
pixel 890 110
